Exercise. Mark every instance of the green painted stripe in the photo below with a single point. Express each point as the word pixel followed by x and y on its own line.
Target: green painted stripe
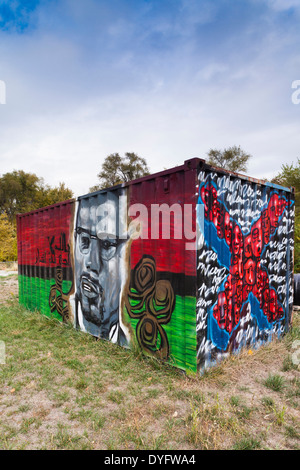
pixel 181 329
pixel 181 333
pixel 34 294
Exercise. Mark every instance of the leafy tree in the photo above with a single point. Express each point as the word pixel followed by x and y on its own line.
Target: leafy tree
pixel 297 245
pixel 117 169
pixel 18 192
pixel 24 192
pixel 8 240
pixel 50 195
pixel 60 193
pixel 288 177
pixel 231 159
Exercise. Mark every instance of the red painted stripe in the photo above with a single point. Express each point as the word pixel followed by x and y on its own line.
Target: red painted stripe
pixel 44 236
pixel 170 254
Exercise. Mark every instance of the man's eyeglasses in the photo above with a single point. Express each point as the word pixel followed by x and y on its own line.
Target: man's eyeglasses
pixel 108 247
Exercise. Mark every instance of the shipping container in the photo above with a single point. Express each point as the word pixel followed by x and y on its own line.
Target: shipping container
pixel 190 264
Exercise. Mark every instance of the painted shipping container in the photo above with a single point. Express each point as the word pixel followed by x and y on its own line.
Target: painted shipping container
pixel 190 264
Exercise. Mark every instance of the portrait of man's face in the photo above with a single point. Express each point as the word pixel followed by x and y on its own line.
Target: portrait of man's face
pixel 220 310
pixel 228 228
pixel 237 240
pixel 256 239
pixel 266 226
pixel 248 246
pixel 259 276
pixel 98 253
pixel 272 302
pixel 250 272
pixel 219 221
pixel 274 211
pixel 228 287
pixel 209 198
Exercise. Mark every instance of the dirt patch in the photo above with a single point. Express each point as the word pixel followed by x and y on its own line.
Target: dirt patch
pixel 60 389
pixel 9 287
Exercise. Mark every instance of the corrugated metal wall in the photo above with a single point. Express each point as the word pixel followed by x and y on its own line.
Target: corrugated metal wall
pixel 124 264
pixel 84 261
pixel 172 327
pixel 45 259
pixel 245 265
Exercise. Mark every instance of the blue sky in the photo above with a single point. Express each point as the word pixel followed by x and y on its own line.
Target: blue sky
pixel 167 79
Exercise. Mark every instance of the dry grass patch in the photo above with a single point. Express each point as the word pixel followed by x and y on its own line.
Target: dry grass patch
pixel 62 389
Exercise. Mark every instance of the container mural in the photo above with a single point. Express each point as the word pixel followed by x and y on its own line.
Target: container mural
pixel 45 260
pixel 190 264
pixel 99 266
pixel 245 264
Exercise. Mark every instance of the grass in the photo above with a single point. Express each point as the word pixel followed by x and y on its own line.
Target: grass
pixel 247 443
pixel 62 389
pixel 275 382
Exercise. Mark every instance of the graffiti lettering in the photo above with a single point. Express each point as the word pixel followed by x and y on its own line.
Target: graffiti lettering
pixel 58 300
pixel 58 254
pixel 246 292
pixel 246 274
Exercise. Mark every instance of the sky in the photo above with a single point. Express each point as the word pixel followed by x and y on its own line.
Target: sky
pixel 166 79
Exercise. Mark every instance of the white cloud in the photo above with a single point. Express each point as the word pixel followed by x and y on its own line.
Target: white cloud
pixel 281 5
pixel 72 99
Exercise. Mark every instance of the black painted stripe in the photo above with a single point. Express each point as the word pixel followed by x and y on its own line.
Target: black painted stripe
pixel 44 272
pixel 183 285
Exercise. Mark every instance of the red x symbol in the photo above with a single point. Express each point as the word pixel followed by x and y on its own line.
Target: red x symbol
pixel 245 272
